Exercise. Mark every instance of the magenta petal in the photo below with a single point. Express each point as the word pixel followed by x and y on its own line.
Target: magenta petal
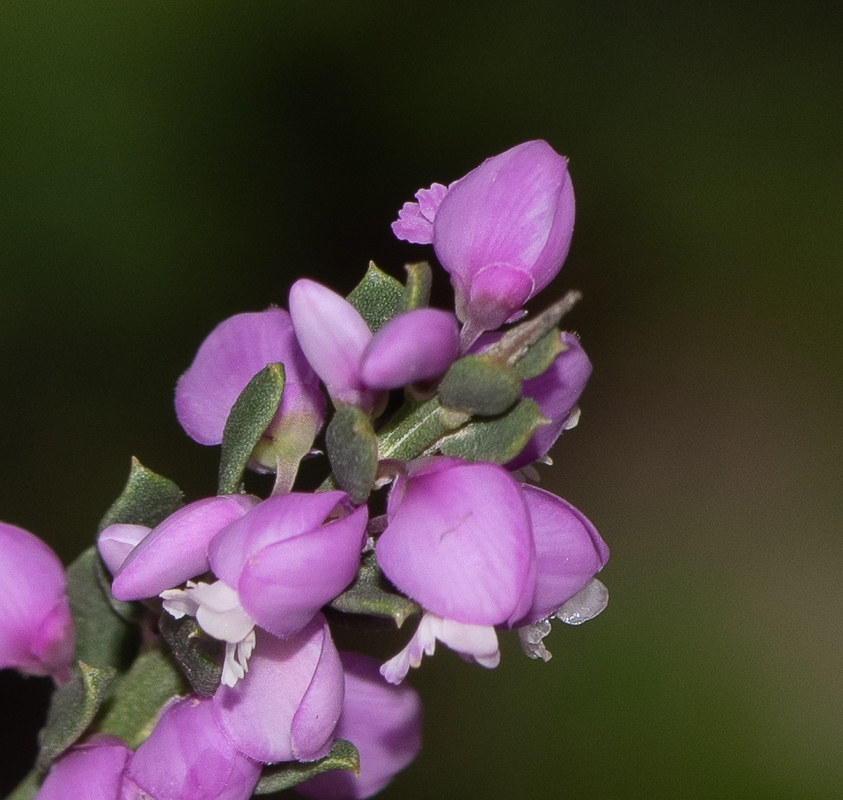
pixel 282 586
pixel 556 391
pixel 458 540
pixel 333 336
pixel 275 519
pixel 177 549
pixel 236 350
pixel 188 757
pixel 91 771
pixel 494 294
pixel 569 552
pixel 384 724
pixel 288 704
pixel 416 345
pixel 415 220
pixel 117 541
pixel 36 632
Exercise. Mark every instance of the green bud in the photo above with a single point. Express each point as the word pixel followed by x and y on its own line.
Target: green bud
pixel 477 385
pixel 353 452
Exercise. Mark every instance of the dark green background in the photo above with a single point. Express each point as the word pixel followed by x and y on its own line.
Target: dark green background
pixel 164 165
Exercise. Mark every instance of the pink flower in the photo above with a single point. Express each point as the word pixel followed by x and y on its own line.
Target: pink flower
pixel 383 722
pixel 502 231
pixel 188 757
pixel 231 355
pixel 90 771
pixel 288 704
pixel 357 365
pixel 36 633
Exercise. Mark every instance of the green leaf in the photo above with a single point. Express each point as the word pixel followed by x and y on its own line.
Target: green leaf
pixel 138 696
pixel 146 499
pixel 416 293
pixel 343 755
pixel 499 439
pixel 377 297
pixel 479 385
pixel 27 788
pixel 541 355
pixel 247 421
pixel 408 436
pixel 353 452
pixel 72 710
pixel 199 656
pixel 367 595
pixel 104 637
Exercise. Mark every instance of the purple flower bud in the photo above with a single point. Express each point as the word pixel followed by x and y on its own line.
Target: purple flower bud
pixel 289 556
pixel 90 771
pixel 333 336
pixel 175 550
pixel 188 757
pixel 417 345
pixel 569 552
pixel 458 540
pixel 502 231
pixel 556 391
pixel 384 724
pixel 288 704
pixel 232 354
pixel 36 632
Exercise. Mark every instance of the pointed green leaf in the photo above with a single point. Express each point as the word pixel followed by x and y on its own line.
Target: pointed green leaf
pixel 343 755
pixel 377 297
pixel 541 355
pixel 104 637
pixel 353 452
pixel 198 655
pixel 408 436
pixel 138 696
pixel 499 439
pixel 72 710
pixel 479 385
pixel 146 499
pixel 247 421
pixel 367 595
pixel 27 788
pixel 416 293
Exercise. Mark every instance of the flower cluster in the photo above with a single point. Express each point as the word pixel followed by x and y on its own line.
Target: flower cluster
pixel 226 603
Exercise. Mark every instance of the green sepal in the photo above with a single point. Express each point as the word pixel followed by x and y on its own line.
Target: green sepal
pixel 377 297
pixel 104 635
pixel 353 452
pixel 146 499
pixel 72 710
pixel 137 697
pixel 409 435
pixel 343 756
pixel 541 355
pixel 199 656
pixel 247 421
pixel 27 788
pixel 478 385
pixel 367 595
pixel 499 439
pixel 416 293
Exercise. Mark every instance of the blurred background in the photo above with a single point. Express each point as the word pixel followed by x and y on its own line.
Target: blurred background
pixel 163 166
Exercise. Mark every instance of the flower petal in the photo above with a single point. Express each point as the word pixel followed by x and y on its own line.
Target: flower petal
pixel 288 704
pixel 177 549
